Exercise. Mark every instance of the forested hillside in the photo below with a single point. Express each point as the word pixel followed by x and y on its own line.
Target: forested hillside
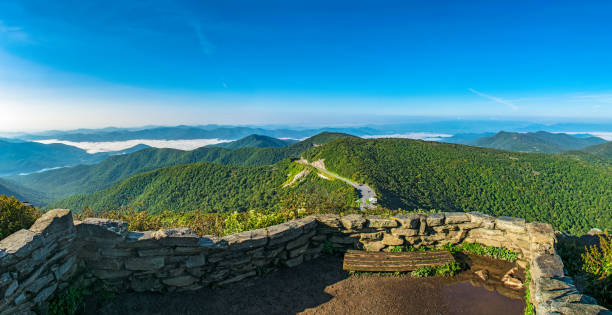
pixel 255 141
pixel 536 142
pixel 64 182
pixel 571 194
pixel 24 157
pixel 218 188
pixel 603 151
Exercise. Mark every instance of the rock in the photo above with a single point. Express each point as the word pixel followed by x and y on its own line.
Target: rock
pixel 247 240
pixel 541 237
pixel 180 281
pixel 177 237
pixel 294 261
pixel 379 222
pixel 111 274
pixel 282 233
pixel 484 220
pixel 342 240
pixel 392 240
pixel 144 263
pixel 21 243
pixel 511 280
pixel 482 274
pixel 54 222
pixel 515 225
pixel 595 231
pixel 374 246
pixel 195 261
pixel 435 219
pixel 404 232
pixel 329 220
pixel 239 277
pixel 102 228
pixel 45 294
pixel 546 266
pixel 409 221
pixel 145 284
pixel 162 251
pixel 353 221
pixel 368 237
pixel 456 217
pixel 301 240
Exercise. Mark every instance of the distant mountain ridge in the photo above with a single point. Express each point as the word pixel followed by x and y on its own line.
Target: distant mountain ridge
pixel 63 182
pixel 536 142
pixel 19 157
pixel 255 141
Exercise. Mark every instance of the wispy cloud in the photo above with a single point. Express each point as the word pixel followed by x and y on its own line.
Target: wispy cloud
pixel 13 32
pixel 495 99
pixel 206 46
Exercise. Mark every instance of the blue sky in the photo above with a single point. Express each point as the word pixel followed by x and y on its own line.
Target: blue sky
pixel 66 64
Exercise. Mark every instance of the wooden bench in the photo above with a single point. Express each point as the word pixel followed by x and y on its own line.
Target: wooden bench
pixel 356 260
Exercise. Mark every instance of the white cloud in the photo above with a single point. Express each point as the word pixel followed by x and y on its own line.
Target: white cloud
pixel 110 146
pixel 427 136
pixel 495 99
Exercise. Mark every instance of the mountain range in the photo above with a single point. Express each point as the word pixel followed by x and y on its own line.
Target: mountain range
pixel 536 142
pixel 569 190
pixel 18 157
pixel 63 182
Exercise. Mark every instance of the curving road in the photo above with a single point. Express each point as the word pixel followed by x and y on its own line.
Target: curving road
pixel 365 191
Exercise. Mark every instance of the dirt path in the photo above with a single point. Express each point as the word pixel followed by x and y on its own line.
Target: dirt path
pixel 365 191
pixel 321 287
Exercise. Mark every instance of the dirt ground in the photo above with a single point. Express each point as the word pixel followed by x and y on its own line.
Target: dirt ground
pixel 322 287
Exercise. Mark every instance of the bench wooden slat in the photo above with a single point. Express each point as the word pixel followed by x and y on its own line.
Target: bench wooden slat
pixel 385 261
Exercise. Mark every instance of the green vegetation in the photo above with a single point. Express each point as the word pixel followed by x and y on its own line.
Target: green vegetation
pixel 81 179
pixel 529 307
pixel 597 264
pixel 15 216
pixel 69 302
pixel 203 223
pixel 590 266
pixel 572 195
pixel 212 187
pixel 467 247
pixel 482 250
pixel 603 151
pixel 536 142
pixel 446 270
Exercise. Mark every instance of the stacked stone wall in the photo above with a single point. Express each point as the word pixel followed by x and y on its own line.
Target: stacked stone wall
pixel 36 263
pixel 55 252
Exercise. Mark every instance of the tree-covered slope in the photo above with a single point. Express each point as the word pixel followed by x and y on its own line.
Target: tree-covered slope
pixel 64 182
pixel 536 142
pixel 255 141
pixel 217 188
pixel 571 194
pixel 603 151
pixel 24 157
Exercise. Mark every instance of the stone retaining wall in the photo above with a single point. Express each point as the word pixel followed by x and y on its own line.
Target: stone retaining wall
pixel 37 262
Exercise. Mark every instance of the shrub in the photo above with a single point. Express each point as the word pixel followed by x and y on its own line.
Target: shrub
pixel 426 271
pixel 597 264
pixel 69 302
pixel 529 307
pixel 448 269
pixel 15 216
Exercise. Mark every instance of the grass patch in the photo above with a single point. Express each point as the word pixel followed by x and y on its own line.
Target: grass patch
pixel 529 307
pixel 482 250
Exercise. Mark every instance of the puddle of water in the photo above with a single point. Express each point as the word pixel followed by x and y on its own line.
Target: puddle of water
pixel 465 298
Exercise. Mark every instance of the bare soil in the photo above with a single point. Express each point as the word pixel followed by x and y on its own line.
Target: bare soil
pixel 322 287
